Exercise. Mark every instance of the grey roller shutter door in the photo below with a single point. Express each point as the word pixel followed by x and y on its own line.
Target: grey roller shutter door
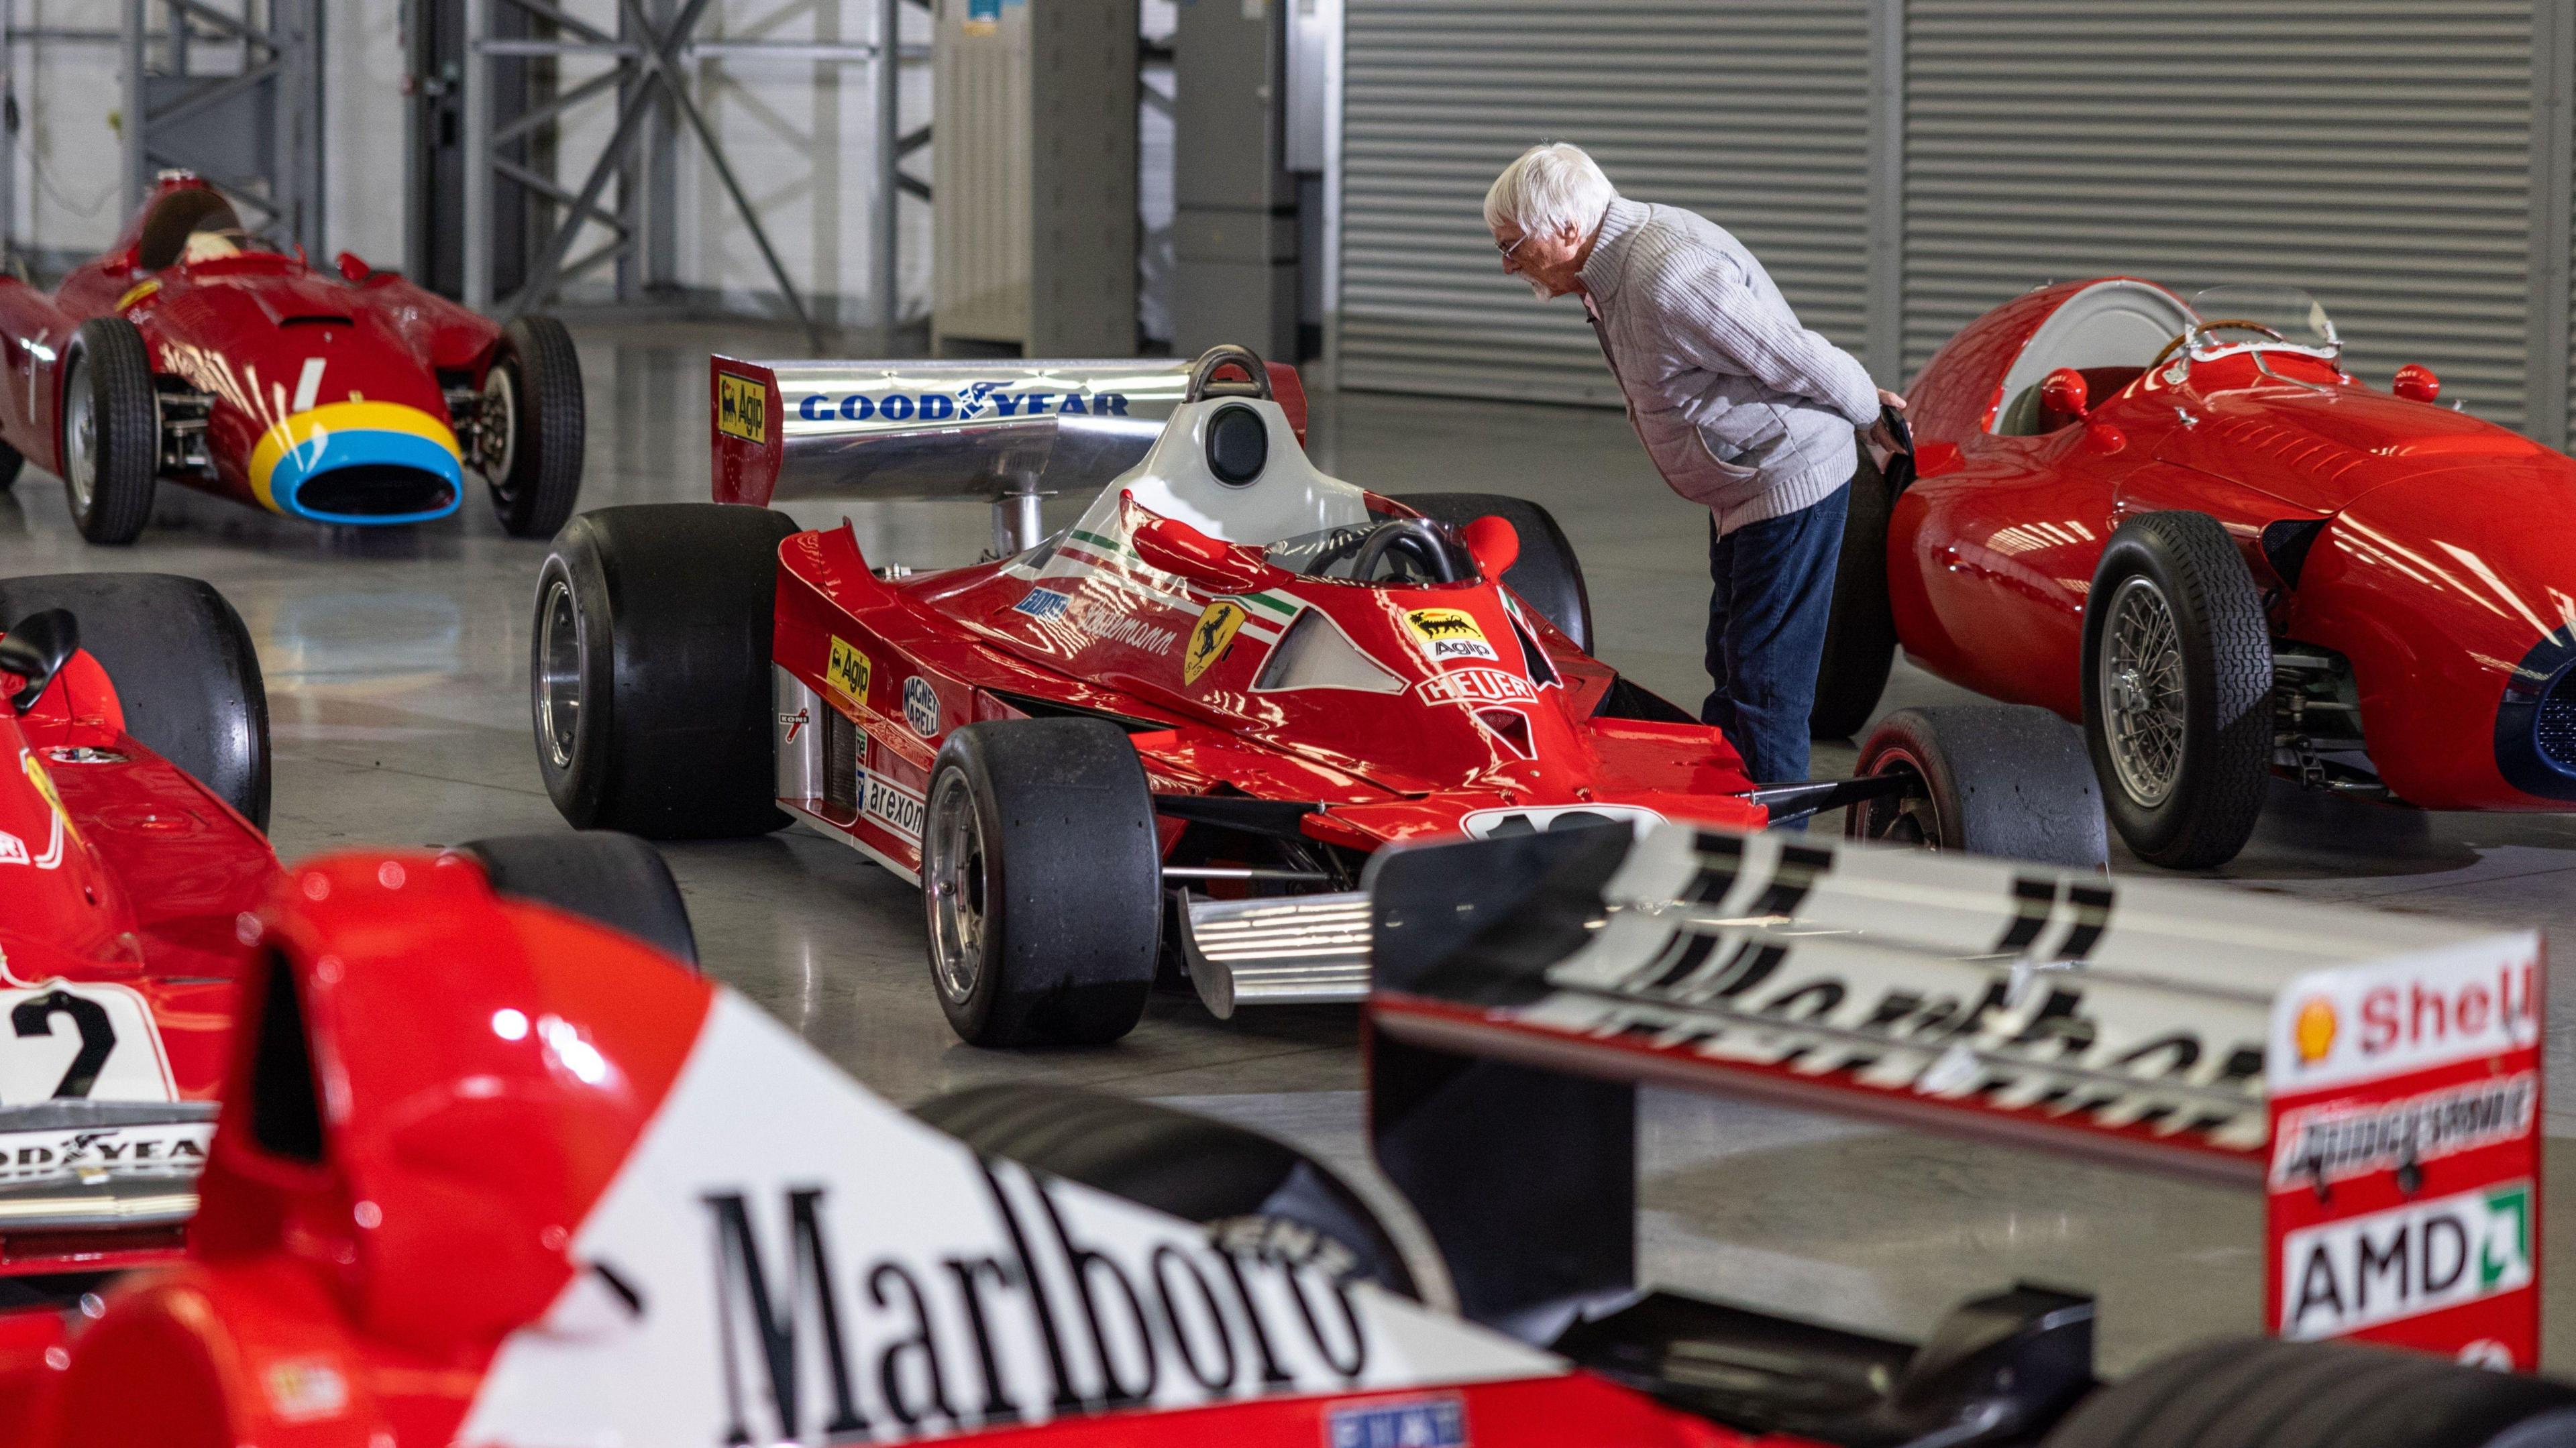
pixel 2375 152
pixel 1754 115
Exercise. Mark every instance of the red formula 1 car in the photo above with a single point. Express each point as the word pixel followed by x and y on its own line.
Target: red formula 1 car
pixel 131 798
pixel 2189 528
pixel 189 351
pixel 490 1174
pixel 1233 680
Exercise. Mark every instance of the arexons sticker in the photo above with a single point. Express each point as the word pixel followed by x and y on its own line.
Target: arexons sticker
pixel 1449 633
pixel 2332 1143
pixel 2341 1277
pixel 921 706
pixel 897 808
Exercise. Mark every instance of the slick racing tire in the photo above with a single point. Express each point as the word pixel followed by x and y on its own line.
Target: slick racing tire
pixel 1991 779
pixel 183 666
pixel 1860 637
pixel 1041 877
pixel 2258 1393
pixel 648 670
pixel 1548 577
pixel 533 394
pixel 2178 689
pixel 600 875
pixel 111 442
pixel 1260 1194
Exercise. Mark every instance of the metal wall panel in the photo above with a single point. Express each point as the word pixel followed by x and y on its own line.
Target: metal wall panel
pixel 1753 114
pixel 2375 152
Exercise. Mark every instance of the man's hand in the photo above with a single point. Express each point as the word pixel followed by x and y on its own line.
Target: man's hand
pixel 1879 436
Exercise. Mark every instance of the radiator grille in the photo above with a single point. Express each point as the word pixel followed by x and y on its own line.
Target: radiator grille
pixel 2553 728
pixel 840 761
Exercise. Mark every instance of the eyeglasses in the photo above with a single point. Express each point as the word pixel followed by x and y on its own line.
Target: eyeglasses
pixel 1515 244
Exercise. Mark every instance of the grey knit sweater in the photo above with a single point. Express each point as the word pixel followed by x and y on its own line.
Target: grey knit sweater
pixel 1740 407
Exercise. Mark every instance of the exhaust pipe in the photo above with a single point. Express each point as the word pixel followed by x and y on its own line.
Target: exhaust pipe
pixel 1283 950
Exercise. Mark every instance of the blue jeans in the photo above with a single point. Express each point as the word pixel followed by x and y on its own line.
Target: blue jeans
pixel 1773 594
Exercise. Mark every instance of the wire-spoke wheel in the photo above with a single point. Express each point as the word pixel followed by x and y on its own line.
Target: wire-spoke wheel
pixel 2142 685
pixel 2177 682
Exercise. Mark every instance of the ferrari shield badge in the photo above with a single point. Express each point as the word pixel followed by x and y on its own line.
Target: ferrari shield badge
pixel 1209 640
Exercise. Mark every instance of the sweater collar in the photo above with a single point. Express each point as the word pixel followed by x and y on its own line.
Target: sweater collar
pixel 1600 274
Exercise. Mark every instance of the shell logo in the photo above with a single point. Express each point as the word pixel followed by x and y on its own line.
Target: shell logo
pixel 2314 1031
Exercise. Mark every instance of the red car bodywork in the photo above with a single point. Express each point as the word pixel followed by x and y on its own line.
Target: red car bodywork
pixel 265 342
pixel 125 883
pixel 2440 575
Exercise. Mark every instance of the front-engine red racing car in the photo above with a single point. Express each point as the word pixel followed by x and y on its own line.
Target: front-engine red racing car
pixel 192 351
pixel 2188 527
pixel 1165 741
pixel 491 1173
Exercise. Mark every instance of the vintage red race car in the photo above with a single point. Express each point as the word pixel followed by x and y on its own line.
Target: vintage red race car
pixel 191 351
pixel 2189 528
pixel 131 800
pixel 1210 700
pixel 491 1174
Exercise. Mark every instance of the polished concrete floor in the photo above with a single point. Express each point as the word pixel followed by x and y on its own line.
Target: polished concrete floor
pixel 396 666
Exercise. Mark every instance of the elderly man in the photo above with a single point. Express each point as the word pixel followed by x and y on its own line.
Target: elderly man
pixel 1742 410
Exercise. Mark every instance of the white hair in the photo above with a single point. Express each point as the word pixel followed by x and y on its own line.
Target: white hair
pixel 1552 186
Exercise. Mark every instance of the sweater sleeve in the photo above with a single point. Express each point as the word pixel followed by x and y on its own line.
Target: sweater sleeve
pixel 1718 320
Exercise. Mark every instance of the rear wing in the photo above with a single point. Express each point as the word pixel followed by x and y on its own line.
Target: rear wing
pixel 2376 1076
pixel 982 430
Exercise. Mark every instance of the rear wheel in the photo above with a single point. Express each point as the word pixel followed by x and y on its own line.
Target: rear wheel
pixel 1258 1193
pixel 1860 638
pixel 2178 689
pixel 11 460
pixel 611 879
pixel 2252 1393
pixel 1989 779
pixel 111 444
pixel 649 670
pixel 1041 875
pixel 1547 577
pixel 532 403
pixel 185 672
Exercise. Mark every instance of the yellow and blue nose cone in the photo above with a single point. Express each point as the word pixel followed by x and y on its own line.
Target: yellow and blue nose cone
pixel 359 462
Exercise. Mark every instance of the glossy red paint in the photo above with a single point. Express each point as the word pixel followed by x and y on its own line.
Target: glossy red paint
pixel 1501 724
pixel 124 878
pixel 2455 612
pixel 245 332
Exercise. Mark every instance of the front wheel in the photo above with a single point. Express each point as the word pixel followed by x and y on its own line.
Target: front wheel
pixel 534 429
pixel 2178 689
pixel 1041 876
pixel 111 444
pixel 1984 779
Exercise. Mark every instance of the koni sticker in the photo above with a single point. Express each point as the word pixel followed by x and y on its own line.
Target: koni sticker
pixel 847 672
pixel 1448 634
pixel 1210 638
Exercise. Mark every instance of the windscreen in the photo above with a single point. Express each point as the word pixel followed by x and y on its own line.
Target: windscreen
pixel 2237 318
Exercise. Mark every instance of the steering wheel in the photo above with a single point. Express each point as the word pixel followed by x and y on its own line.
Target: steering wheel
pixel 1416 538
pixel 2185 335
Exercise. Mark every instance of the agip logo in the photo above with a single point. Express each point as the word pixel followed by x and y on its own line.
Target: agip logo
pixel 1449 634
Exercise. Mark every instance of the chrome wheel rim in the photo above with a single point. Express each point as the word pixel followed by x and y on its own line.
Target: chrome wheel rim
pixel 952 878
pixel 559 660
pixel 80 442
pixel 497 447
pixel 2141 688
